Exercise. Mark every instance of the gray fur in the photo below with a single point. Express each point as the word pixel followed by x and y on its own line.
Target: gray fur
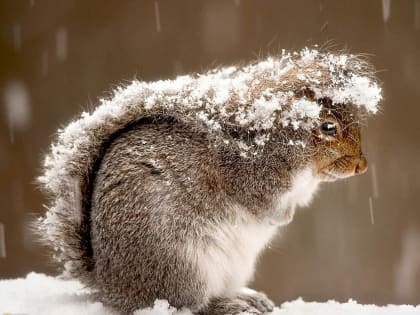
pixel 167 197
pixel 138 196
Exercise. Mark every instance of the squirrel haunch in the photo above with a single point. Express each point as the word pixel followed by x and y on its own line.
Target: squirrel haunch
pixel 171 189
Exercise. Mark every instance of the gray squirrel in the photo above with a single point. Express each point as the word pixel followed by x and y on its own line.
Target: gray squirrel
pixel 171 189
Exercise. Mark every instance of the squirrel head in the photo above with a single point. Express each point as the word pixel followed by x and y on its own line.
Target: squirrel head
pixel 332 95
pixel 337 143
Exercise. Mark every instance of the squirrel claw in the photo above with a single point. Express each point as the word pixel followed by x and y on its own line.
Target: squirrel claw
pixel 236 306
pixel 257 300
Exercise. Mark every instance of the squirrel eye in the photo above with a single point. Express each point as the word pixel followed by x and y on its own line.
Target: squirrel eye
pixel 329 128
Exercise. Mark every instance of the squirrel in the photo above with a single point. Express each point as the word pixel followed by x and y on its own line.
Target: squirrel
pixel 171 189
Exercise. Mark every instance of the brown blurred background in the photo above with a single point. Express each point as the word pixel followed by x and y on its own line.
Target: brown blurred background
pixel 360 238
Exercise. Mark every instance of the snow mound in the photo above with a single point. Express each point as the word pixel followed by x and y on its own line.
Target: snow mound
pixel 38 294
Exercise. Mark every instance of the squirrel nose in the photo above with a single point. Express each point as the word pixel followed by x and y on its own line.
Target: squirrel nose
pixel 361 167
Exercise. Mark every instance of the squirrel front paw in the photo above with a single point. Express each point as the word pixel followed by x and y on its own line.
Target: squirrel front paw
pixel 282 217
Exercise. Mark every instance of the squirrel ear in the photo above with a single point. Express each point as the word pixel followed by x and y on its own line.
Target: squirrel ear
pixel 305 92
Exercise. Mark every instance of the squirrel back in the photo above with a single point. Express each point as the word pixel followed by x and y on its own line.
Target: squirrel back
pixel 231 145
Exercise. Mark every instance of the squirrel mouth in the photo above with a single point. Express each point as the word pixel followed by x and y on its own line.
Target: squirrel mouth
pixel 327 175
pixel 344 167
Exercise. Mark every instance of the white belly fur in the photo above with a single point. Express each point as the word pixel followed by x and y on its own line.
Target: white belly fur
pixel 226 262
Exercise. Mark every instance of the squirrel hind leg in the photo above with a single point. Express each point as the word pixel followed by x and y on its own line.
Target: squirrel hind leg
pixel 249 301
pixel 222 306
pixel 256 299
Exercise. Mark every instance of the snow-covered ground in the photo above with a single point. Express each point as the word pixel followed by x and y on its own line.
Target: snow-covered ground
pixel 38 294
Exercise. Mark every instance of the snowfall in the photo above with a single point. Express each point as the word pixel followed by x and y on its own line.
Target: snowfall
pixel 41 294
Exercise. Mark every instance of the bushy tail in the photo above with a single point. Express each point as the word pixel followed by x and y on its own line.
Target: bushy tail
pixel 69 171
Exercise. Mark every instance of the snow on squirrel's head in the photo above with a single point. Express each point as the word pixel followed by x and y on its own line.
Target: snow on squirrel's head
pixel 318 100
pixel 287 90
